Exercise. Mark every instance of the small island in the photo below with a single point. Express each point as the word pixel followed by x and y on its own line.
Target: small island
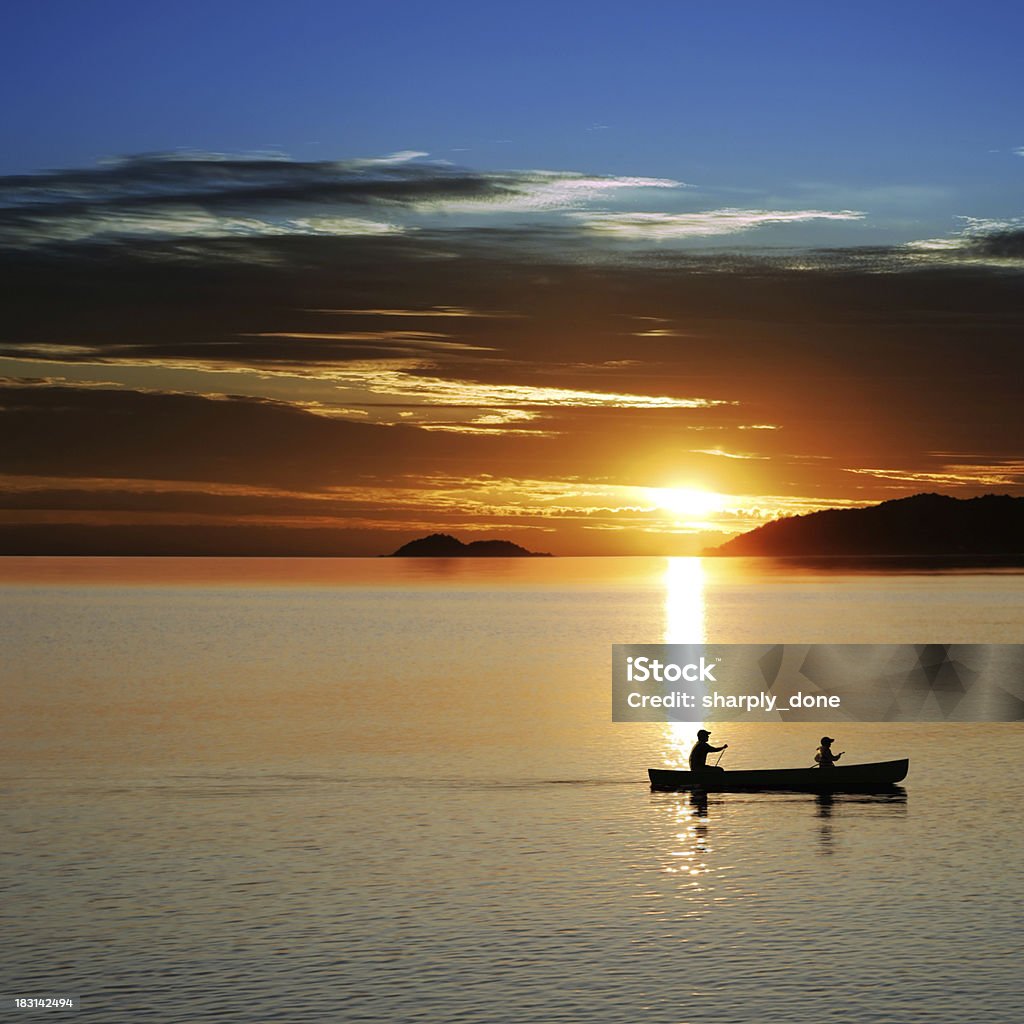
pixel 924 524
pixel 443 545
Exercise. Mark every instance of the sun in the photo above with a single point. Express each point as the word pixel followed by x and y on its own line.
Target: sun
pixel 687 501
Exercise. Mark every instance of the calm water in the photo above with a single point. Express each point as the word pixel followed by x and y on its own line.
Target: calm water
pixel 380 790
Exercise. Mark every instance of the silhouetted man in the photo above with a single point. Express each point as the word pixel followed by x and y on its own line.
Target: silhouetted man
pixel 701 749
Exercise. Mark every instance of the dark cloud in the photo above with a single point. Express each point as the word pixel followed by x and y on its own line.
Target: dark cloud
pixel 916 358
pixel 867 359
pixel 239 184
pixel 48 430
pixel 126 299
pixel 173 196
pixel 1000 244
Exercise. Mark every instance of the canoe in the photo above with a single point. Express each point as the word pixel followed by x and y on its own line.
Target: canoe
pixel 848 777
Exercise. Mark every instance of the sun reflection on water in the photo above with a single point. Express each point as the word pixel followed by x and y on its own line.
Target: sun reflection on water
pixel 684 877
pixel 683 824
pixel 684 601
pixel 685 623
pixel 690 848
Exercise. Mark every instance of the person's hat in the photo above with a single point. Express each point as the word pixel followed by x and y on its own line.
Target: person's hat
pixel 828 739
pixel 702 732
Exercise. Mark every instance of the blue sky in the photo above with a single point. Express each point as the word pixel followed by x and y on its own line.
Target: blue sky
pixel 908 110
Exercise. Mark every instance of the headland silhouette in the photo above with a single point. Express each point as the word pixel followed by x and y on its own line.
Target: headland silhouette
pixel 924 524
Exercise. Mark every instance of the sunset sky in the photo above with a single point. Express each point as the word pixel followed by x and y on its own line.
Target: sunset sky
pixel 613 280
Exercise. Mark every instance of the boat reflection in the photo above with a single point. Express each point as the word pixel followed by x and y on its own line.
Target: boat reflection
pixel 684 830
pixel 699 802
pixel 827 803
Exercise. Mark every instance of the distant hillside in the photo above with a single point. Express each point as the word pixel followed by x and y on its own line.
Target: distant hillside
pixel 443 545
pixel 925 524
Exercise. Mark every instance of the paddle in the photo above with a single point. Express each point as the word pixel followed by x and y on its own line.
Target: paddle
pixel 722 751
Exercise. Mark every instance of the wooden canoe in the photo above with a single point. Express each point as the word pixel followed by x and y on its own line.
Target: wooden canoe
pixel 848 778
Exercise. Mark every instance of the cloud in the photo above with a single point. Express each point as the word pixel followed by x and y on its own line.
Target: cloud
pixel 500 423
pixel 387 341
pixel 182 223
pixel 707 223
pixel 1002 243
pixel 184 206
pixel 979 240
pixel 722 453
pixel 199 200
pixel 403 156
pixel 549 190
pixel 306 361
pixel 123 434
pixel 204 195
pixel 432 311
pixel 397 380
pixel 1004 473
